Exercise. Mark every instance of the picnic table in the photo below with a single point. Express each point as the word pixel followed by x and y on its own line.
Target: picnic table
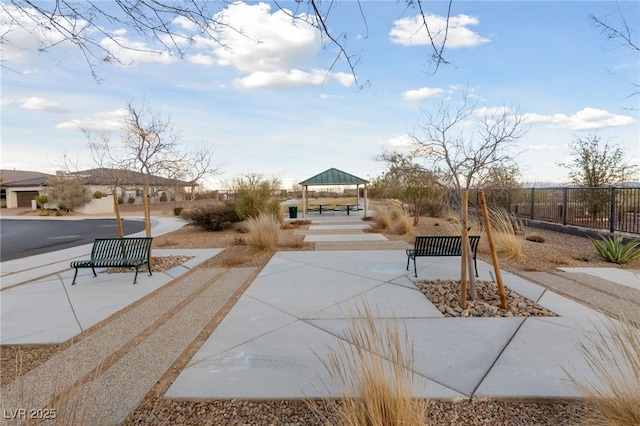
pixel 349 207
pixel 320 205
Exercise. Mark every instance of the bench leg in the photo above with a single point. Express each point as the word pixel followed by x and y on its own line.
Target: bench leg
pixel 94 271
pixel 415 270
pixel 475 265
pixel 74 277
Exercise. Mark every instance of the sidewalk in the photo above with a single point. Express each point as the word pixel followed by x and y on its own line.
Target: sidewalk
pixel 262 345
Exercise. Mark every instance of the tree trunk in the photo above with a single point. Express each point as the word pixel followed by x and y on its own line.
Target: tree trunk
pixel 116 208
pixel 463 258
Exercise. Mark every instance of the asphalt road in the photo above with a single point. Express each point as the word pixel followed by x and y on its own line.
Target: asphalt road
pixel 22 238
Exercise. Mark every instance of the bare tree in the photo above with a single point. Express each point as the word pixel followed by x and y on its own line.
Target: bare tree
pixel 81 23
pixel 152 146
pixel 467 143
pixel 615 28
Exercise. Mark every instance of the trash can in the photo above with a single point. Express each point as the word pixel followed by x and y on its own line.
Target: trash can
pixel 293 212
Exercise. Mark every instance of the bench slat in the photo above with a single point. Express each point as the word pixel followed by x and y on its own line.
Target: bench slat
pixel 439 245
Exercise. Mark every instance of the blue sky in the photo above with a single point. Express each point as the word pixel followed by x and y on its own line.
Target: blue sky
pixel 278 108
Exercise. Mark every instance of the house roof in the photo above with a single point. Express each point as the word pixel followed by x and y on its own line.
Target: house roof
pixel 334 177
pixel 100 176
pixel 104 176
pixel 23 178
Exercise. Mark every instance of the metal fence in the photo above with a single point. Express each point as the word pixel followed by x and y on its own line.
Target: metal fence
pixel 612 209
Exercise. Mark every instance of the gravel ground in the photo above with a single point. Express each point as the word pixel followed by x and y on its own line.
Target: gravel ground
pixel 556 250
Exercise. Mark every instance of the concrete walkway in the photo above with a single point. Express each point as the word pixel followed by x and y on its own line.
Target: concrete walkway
pixel 263 333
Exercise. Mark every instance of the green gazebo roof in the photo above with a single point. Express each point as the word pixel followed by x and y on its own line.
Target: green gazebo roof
pixel 334 177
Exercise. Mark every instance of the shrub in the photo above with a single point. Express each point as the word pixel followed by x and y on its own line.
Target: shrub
pixel 177 211
pixel 614 250
pixel 212 217
pixel 98 195
pixel 262 232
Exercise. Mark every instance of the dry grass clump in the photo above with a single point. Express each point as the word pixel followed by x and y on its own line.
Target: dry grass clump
pixel 382 218
pixel 508 234
pixel 453 225
pixel 374 374
pixel 402 223
pixel 262 232
pixel 392 219
pixel 613 354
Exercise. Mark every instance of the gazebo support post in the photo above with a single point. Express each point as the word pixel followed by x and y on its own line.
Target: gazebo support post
pixel 305 188
pixel 366 200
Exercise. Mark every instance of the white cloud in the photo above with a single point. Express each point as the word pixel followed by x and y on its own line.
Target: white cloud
pixel 201 59
pixel 585 119
pixel 25 33
pixel 411 32
pixel 102 121
pixel 130 52
pixel 420 94
pixel 399 142
pixel 40 104
pixel 271 49
pixel 287 79
pixel 253 39
pixel 543 147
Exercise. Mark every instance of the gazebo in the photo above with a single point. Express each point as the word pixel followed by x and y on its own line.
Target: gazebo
pixel 333 177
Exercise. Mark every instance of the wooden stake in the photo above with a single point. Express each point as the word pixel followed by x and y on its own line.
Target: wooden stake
pixel 463 265
pixel 494 254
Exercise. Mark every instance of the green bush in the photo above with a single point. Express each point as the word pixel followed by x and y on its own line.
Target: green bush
pixel 614 250
pixel 177 211
pixel 98 195
pixel 212 217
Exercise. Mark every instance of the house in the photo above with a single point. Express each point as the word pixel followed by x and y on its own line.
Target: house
pixel 19 188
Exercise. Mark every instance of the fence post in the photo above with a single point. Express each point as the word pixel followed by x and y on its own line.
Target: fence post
pixel 612 210
pixel 533 193
pixel 565 205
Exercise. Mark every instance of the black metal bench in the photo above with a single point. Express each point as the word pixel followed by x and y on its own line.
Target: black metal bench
pixel 441 246
pixel 117 252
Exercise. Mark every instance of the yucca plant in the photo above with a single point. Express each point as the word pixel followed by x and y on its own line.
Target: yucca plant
pixel 614 250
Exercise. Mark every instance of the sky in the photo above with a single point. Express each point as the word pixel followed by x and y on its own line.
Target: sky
pixel 271 99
